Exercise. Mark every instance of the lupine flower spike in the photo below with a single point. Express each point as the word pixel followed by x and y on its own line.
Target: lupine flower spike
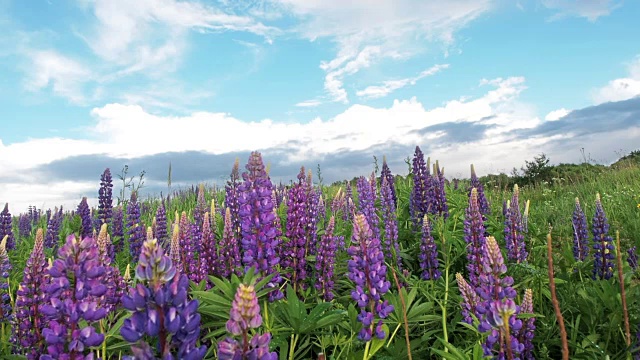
pixel 75 291
pixel 245 315
pixel 6 227
pixel 368 273
pixel 580 234
pixel 602 244
pixel 29 321
pixel 5 269
pixel 161 311
pixel 428 253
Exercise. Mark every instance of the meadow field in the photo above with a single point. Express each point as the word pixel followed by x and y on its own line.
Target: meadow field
pixel 536 265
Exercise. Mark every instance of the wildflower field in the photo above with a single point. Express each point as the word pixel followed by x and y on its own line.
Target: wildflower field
pixel 411 265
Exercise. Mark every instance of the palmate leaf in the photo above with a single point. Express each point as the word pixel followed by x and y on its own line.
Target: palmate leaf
pixel 293 314
pixel 417 311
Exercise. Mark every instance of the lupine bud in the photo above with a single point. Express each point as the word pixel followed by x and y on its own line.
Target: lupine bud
pixel 245 315
pixel 470 299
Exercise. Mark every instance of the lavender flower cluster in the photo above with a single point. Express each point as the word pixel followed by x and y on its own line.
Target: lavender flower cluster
pixel 368 273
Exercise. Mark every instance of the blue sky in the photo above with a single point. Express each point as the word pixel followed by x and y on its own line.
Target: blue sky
pixel 306 82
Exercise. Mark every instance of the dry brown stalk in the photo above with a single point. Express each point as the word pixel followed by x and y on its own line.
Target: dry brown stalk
pixel 554 300
pixel 404 313
pixel 625 311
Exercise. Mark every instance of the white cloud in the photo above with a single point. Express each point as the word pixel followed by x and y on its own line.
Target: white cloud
pixel 366 32
pixel 146 34
pixel 556 114
pixel 130 131
pixel 65 75
pixel 590 9
pixel 622 88
pixel 390 86
pixel 309 103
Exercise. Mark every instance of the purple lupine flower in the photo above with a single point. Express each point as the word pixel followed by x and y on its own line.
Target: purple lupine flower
pixel 75 291
pixel 527 332
pixel 53 229
pixel 161 224
pixel 117 230
pixel 26 333
pixel 368 273
pixel 456 183
pixel 5 269
pixel 201 206
pixel 32 214
pixel 502 319
pixel 161 311
pixel 193 253
pixel 580 234
pixel 482 199
pixel 389 217
pixel 437 189
pixel 229 255
pixel 474 230
pixel 6 227
pixel 24 225
pixel 259 240
pixel 245 315
pixel 185 244
pixel 209 252
pixel 428 253
pixel 313 214
pixel 85 216
pixel 105 197
pixel 420 202
pixel 111 278
pixel 231 198
pixel 294 256
pixel 470 299
pixel 349 205
pixel 494 292
pixel 135 228
pixel 338 202
pixel 325 261
pixel 385 173
pixel 632 257
pixel 602 244
pixel 513 231
pixel 366 204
